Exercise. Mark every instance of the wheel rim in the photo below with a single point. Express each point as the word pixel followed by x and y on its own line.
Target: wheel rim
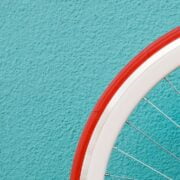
pixel 81 167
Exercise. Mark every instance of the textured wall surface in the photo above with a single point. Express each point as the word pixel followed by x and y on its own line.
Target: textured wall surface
pixel 56 58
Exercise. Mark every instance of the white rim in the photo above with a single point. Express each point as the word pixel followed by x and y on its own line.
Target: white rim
pixel 122 104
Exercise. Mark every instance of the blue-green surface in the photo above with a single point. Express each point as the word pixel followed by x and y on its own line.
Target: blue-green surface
pixel 56 58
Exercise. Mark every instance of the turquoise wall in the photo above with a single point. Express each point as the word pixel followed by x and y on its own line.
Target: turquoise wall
pixel 56 58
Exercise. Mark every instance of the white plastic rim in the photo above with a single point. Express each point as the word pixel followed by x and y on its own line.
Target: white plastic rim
pixel 141 81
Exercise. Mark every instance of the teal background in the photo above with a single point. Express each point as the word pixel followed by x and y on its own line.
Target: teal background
pixel 56 58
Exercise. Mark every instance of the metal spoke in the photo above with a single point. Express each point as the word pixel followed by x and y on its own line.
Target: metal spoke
pixel 152 140
pixel 142 163
pixel 119 177
pixel 172 85
pixel 161 112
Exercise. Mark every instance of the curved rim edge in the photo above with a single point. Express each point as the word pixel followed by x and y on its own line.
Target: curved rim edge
pixel 108 94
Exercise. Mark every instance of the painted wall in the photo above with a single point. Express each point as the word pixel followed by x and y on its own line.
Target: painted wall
pixel 56 58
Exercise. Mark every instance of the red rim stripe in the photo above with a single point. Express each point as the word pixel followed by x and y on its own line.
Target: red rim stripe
pixel 109 93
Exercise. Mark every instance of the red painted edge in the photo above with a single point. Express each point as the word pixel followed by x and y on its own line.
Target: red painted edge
pixel 109 93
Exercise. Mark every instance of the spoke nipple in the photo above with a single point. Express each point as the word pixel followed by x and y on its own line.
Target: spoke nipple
pixel 107 174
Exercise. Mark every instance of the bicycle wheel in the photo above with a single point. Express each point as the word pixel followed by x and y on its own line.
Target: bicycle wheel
pixel 117 103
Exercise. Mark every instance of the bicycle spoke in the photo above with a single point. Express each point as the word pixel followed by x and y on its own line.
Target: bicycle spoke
pixel 161 112
pixel 119 177
pixel 172 85
pixel 152 140
pixel 142 163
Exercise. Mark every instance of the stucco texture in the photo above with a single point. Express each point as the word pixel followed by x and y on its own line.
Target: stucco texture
pixel 56 58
